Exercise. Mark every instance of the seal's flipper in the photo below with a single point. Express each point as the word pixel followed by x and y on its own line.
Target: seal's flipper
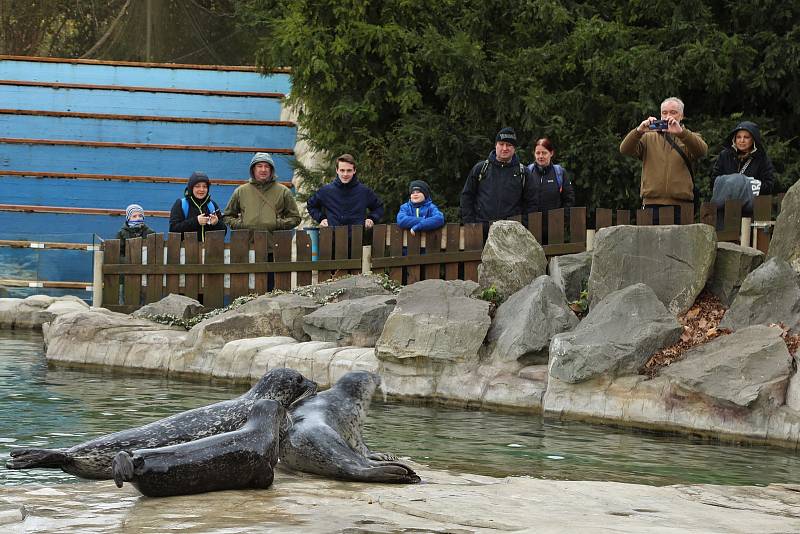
pixel 394 472
pixel 122 468
pixel 30 458
pixel 381 456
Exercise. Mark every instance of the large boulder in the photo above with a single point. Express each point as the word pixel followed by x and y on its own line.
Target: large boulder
pixel 616 338
pixel 101 337
pixel 32 312
pixel 268 315
pixel 356 322
pixel 436 320
pixel 770 294
pixel 524 324
pixel 785 242
pixel 571 273
pixel 675 261
pixel 732 265
pixel 179 306
pixel 752 364
pixel 348 287
pixel 511 258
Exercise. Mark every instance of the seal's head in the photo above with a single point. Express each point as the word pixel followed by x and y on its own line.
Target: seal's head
pixel 284 385
pixel 359 385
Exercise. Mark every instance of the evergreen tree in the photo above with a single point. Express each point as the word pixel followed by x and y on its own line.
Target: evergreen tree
pixel 418 89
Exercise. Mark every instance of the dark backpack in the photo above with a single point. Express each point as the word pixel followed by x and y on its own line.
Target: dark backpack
pixel 212 208
pixel 559 175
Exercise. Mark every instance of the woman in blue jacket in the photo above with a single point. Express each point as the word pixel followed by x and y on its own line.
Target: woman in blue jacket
pixel 419 214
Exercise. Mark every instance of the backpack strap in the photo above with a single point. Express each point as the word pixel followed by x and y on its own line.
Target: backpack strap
pixel 482 173
pixel 212 208
pixel 559 176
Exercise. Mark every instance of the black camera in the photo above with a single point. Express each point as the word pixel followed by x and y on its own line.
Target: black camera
pixel 659 125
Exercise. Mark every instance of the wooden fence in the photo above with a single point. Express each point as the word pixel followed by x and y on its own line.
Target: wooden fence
pixel 256 262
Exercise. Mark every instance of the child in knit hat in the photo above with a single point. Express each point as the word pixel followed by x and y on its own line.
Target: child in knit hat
pixel 134 226
pixel 419 214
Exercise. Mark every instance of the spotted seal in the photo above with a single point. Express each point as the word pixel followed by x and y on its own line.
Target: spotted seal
pixel 241 459
pixel 326 435
pixel 92 459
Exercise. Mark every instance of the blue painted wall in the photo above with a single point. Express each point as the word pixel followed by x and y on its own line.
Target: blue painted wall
pixel 139 103
pixel 144 76
pixel 153 132
pixel 132 161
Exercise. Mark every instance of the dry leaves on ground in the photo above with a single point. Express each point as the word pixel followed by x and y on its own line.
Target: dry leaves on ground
pixel 700 325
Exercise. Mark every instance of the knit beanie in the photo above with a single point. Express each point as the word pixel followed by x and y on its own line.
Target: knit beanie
pixel 422 186
pixel 133 208
pixel 507 135
pixel 262 157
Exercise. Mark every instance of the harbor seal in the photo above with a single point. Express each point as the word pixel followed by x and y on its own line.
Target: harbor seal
pixel 326 435
pixel 92 459
pixel 241 459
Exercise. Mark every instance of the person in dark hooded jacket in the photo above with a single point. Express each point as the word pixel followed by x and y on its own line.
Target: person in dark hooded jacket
pixel 499 187
pixel 196 212
pixel 745 153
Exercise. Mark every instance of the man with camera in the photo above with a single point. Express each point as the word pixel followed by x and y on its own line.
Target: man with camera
pixel 668 151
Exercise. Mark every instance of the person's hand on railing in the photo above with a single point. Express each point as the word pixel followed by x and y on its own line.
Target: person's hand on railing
pixel 369 223
pixel 324 223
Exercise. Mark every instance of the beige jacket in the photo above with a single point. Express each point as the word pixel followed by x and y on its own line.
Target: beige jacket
pixel 261 206
pixel 665 177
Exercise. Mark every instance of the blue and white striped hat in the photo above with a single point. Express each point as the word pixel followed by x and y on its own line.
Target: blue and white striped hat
pixel 133 208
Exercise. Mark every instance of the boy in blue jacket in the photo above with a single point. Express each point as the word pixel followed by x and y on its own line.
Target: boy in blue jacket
pixel 419 214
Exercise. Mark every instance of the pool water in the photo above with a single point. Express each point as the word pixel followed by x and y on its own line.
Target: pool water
pixel 57 407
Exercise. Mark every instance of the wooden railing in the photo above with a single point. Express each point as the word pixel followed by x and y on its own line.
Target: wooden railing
pixel 257 262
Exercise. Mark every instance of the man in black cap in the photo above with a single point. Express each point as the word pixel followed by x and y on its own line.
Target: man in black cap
pixel 498 187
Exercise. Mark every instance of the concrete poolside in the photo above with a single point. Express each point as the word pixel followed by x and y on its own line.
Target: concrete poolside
pixel 442 503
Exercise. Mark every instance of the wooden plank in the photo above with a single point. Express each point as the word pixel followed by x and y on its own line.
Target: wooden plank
pixel 378 249
pixel 325 251
pixel 762 208
pixel 396 249
pixel 74 210
pixel 261 247
pixel 48 245
pixel 644 217
pixel 535 225
pixel 555 226
pixel 602 218
pixel 428 259
pixel 155 256
pixel 191 257
pixel 110 281
pixel 577 225
pixel 282 252
pixel 240 253
pixel 341 244
pixel 15 282
pixel 433 242
pixel 356 242
pixel 453 233
pixel 152 146
pixel 173 284
pixel 708 214
pixel 119 177
pixel 149 65
pixel 144 118
pixel 733 217
pixel 413 250
pixel 213 284
pixel 666 215
pixel 564 248
pixel 133 283
pixel 473 240
pixel 303 247
pixel 687 213
pixel 623 217
pixel 232 268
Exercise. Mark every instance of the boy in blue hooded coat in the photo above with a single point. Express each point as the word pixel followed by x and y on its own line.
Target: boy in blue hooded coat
pixel 419 214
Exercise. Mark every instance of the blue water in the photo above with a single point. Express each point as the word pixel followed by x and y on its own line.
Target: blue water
pixel 52 407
